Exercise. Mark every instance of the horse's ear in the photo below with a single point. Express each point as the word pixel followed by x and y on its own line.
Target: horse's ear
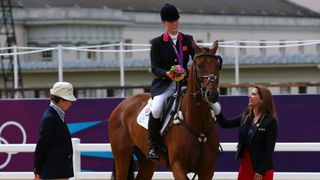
pixel 214 47
pixel 195 47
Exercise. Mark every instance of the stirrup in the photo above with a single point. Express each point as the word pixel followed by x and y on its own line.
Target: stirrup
pixel 153 154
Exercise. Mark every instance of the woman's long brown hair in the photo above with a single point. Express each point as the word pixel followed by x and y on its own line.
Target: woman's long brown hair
pixel 267 107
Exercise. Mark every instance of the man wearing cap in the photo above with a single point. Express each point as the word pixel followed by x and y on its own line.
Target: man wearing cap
pixel 53 154
pixel 170 49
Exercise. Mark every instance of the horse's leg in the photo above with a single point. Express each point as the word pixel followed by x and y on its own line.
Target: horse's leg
pixel 180 174
pixel 146 167
pixel 122 160
pixel 121 146
pixel 179 171
pixel 206 172
pixel 206 176
pixel 123 131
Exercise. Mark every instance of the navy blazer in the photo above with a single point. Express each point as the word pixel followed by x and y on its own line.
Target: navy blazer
pixel 53 154
pixel 262 142
pixel 163 56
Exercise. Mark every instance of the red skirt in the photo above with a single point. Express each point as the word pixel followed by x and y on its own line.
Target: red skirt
pixel 246 171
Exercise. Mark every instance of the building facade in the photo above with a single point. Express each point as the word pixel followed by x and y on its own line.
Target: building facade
pixel 77 24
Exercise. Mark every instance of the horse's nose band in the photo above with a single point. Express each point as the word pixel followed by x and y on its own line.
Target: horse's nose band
pixel 210 77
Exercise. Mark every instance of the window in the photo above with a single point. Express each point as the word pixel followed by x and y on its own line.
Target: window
pixel 110 93
pixel 199 41
pixel 282 50
pixel 116 53
pixel 91 55
pixel 302 89
pixel 84 55
pixel 285 90
pixel 223 91
pixel 243 91
pixel 263 50
pixel 46 55
pixel 147 90
pixel 301 48
pixel 242 50
pixel 126 47
pixel 318 48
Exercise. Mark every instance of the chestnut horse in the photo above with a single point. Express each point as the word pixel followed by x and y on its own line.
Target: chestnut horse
pixel 192 144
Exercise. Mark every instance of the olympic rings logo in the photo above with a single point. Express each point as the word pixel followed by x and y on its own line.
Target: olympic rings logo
pixel 4 141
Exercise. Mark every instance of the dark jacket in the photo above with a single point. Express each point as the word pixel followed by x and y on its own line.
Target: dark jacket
pixel 53 154
pixel 262 142
pixel 163 56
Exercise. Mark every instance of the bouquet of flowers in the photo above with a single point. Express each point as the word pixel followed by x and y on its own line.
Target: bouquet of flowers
pixel 176 73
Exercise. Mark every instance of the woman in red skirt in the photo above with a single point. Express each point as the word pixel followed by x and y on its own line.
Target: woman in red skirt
pixel 257 134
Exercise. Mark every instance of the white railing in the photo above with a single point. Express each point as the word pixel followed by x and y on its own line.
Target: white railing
pixel 103 147
pixel 120 49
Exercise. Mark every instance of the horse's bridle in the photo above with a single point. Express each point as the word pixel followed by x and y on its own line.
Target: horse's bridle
pixel 210 77
pixel 196 56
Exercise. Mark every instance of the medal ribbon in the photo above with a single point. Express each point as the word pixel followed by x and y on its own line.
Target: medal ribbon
pixel 179 53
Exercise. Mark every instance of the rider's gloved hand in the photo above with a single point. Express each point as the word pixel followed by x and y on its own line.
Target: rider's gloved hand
pixel 176 73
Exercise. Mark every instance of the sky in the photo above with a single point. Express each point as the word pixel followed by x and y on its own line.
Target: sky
pixel 310 4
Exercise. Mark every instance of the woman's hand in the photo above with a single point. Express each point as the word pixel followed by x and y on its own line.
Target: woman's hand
pixel 216 108
pixel 257 176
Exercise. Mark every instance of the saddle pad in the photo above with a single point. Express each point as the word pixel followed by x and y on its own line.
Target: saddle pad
pixel 143 116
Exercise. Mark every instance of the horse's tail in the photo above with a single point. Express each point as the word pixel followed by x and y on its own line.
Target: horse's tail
pixel 113 175
pixel 130 171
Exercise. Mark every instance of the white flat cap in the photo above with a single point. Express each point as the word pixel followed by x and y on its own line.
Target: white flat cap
pixel 63 90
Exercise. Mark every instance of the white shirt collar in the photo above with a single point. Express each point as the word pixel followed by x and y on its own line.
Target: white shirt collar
pixel 60 112
pixel 174 38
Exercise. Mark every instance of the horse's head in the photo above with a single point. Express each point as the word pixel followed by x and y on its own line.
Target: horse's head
pixel 206 66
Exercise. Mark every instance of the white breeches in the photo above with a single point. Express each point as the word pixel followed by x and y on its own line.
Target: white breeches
pixel 159 100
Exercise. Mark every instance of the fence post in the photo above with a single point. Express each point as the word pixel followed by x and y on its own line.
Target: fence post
pixel 76 157
pixel 15 72
pixel 121 57
pixel 60 63
pixel 236 65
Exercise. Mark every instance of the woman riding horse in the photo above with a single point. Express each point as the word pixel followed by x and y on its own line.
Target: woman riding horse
pixel 170 49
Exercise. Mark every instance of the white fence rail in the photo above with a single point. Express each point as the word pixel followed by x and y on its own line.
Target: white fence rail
pixel 103 147
pixel 120 49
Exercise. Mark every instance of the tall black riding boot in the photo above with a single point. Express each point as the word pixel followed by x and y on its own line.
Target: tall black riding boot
pixel 153 134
